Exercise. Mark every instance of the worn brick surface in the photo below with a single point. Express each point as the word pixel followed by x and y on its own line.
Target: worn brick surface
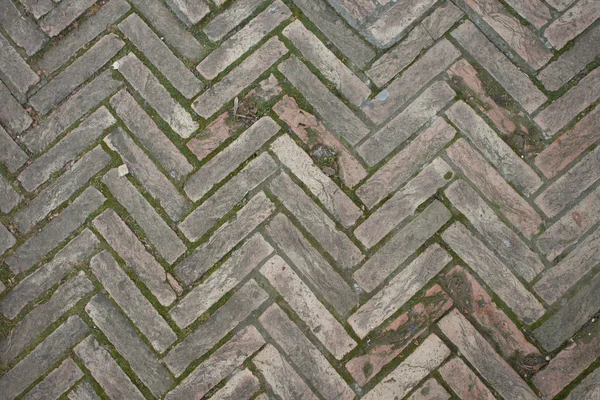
pixel 299 199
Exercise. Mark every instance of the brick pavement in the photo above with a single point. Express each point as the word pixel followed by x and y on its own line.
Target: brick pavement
pixel 300 199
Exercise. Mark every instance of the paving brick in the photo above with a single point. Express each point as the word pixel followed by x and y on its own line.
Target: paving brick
pixel 63 15
pixel 140 165
pixel 7 240
pixel 225 22
pixel 441 19
pixel 354 11
pixel 403 165
pixel 315 221
pixel 588 388
pixel 45 355
pixel 510 166
pixel 304 355
pixel 304 303
pixel 303 123
pixel 344 80
pixel 189 11
pixel 311 265
pixel 68 113
pixel 571 62
pixel 483 357
pixel 494 273
pixel 220 364
pixel 403 203
pixel 57 382
pixel 161 56
pixel 472 299
pixel 75 74
pixel 11 155
pixel 219 167
pixel 386 345
pixel 320 185
pixel 241 263
pixel 570 24
pixel 203 218
pixel 570 227
pixel 243 385
pixel 515 82
pixel 244 39
pixel 127 342
pixel 558 114
pixel 463 381
pixel 569 363
pixel 400 128
pixel 57 230
pixel 243 302
pixel 12 114
pixel 75 40
pixel 513 251
pixel 392 24
pixel 495 188
pixel 149 87
pixel 399 290
pixel 168 26
pixel 570 185
pixel 66 150
pixel 560 5
pixel 280 375
pixel 335 30
pixel 399 56
pixel 437 59
pixel 83 391
pixel 30 327
pixel 15 72
pixel 337 116
pixel 9 198
pixel 574 142
pixel 61 189
pixel 426 358
pixel 405 242
pixel 430 390
pixel 131 300
pixel 534 11
pixel 518 36
pixel 105 370
pixel 133 252
pixel 38 7
pixel 74 253
pixel 255 212
pixel 239 78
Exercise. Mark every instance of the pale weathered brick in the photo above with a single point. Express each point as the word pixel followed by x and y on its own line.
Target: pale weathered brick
pixel 427 67
pixel 220 364
pixel 442 19
pixel 230 158
pixel 311 265
pixel 514 81
pixel 189 11
pixel 74 253
pixel 401 246
pixel 57 382
pixel 38 7
pixel 133 252
pixel 149 87
pixel 161 56
pixel 7 240
pixel 405 124
pixel 12 114
pixel 426 358
pixel 430 390
pixel 74 41
pixel 241 263
pixel 320 185
pixel 11 155
pixel 494 273
pixel 239 78
pixel 57 230
pixel 349 85
pixel 534 11
pixel 204 257
pixel 482 356
pixel 243 40
pixel 403 165
pixel 14 71
pixel 242 386
pixel 589 388
pixel 315 221
pixel 131 300
pixel 399 290
pixel 463 381
pixel 63 15
pixel 9 198
pixel 83 391
pixel 570 24
pixel 105 370
pixel 238 307
pixel 140 165
pixel 225 22
pixel 304 355
pixel 508 163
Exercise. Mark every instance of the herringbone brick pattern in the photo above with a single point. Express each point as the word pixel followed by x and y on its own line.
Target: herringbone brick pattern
pixel 300 199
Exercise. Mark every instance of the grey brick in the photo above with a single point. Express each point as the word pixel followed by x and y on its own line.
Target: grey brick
pixel 9 198
pixel 23 31
pixel 15 72
pixel 63 15
pixel 12 113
